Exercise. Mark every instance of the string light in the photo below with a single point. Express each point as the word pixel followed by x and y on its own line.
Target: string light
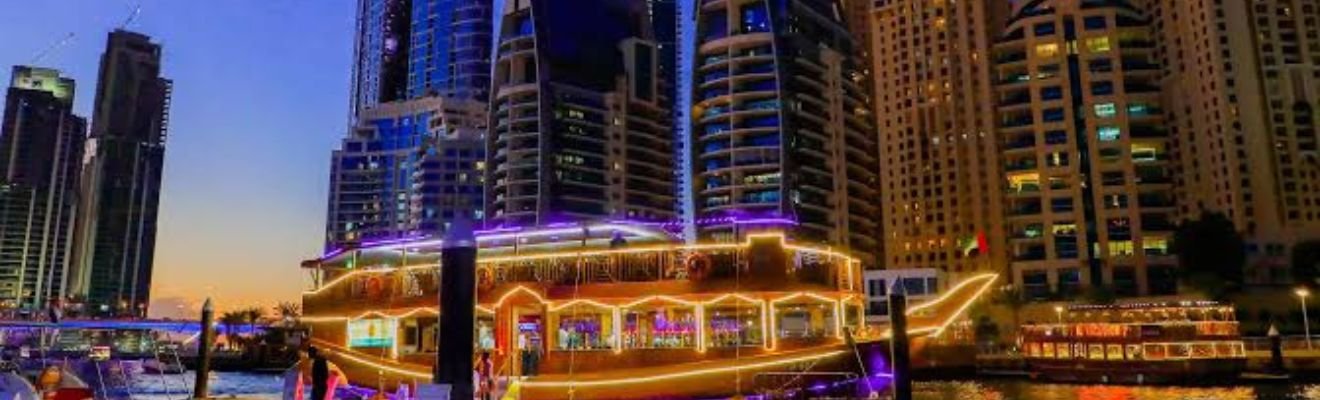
pixel 684 374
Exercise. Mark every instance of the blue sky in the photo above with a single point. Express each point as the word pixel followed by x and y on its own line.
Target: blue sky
pixel 260 100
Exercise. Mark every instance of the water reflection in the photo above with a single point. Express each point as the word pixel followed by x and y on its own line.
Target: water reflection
pixel 1023 390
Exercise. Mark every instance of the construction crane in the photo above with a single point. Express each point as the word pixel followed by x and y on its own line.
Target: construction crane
pixel 137 9
pixel 51 49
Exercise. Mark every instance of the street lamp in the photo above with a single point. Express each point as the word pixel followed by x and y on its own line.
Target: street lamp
pixel 1303 293
pixel 1058 314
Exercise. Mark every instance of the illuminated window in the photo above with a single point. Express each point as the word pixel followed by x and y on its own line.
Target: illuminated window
pixel 1063 350
pixel 1047 350
pixel 585 330
pixel 1047 50
pixel 660 328
pixel 1065 229
pixel 1098 44
pixel 733 326
pixel 1115 351
pixel 1105 110
pixel 1134 352
pixel 1120 248
pixel 1096 352
pixel 1108 133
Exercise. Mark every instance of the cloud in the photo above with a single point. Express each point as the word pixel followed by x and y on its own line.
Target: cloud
pixel 174 307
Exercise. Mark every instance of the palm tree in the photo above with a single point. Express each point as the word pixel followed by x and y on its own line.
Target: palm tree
pixel 251 316
pixel 231 320
pixel 289 312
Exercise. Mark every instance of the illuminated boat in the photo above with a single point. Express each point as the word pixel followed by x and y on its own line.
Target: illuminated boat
pixel 607 311
pixel 1175 342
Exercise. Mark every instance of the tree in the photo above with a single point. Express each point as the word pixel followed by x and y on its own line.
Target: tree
pixel 1306 263
pixel 1211 255
pixel 230 320
pixel 252 316
pixel 289 312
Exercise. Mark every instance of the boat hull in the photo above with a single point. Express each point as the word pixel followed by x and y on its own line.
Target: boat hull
pixel 1200 371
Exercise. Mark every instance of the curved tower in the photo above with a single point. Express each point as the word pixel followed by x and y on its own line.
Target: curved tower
pixel 1089 195
pixel 782 128
pixel 580 119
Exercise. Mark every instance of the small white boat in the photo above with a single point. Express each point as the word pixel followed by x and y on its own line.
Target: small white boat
pixel 15 387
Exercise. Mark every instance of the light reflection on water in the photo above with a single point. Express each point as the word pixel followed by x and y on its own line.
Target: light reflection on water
pixel 1023 390
pixel 222 385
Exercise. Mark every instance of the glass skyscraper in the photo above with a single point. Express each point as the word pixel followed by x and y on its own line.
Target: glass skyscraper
pixel 580 115
pixel 121 179
pixel 782 130
pixel 41 147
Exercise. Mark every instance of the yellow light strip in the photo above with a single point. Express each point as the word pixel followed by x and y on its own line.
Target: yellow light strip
pixel 783 241
pixel 952 291
pixel 683 374
pixel 965 306
pixel 348 354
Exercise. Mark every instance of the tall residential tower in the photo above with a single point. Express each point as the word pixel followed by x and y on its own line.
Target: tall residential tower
pixel 41 147
pixel 939 193
pixel 580 116
pixel 782 125
pixel 121 178
pixel 1242 82
pixel 1084 150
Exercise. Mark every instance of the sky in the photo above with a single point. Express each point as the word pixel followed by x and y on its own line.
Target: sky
pixel 260 101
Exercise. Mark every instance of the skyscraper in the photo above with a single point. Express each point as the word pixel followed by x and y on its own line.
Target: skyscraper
pixel 580 118
pixel 939 191
pixel 121 178
pixel 450 48
pixel 380 53
pixel 1085 154
pixel 1242 79
pixel 782 125
pixel 407 168
pixel 41 146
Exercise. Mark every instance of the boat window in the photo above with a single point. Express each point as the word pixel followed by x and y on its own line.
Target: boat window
pixel 734 325
pixel 1203 350
pixel 1063 350
pixel 585 330
pixel 1155 351
pixel 1115 352
pixel 1079 350
pixel 1180 350
pixel 1225 350
pixel 1048 350
pixel 1134 352
pixel 1033 349
pixel 660 328
pixel 1096 352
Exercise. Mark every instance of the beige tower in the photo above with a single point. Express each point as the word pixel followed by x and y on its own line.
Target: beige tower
pixel 1242 79
pixel 940 191
pixel 1086 157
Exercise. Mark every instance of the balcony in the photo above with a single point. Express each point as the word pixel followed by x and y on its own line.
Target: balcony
pixel 1021 143
pixel 1011 57
pixel 1020 165
pixel 1026 210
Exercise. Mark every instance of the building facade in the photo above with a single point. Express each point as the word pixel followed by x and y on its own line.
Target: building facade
pixel 1241 79
pixel 782 125
pixel 122 178
pixel 1085 153
pixel 580 119
pixel 450 48
pixel 41 147
pixel 939 193
pixel 380 54
pixel 407 169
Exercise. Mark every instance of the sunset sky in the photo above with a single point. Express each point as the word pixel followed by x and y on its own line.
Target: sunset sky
pixel 260 100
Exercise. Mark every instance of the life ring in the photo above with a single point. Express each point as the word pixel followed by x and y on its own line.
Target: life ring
pixel 374 286
pixel 485 278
